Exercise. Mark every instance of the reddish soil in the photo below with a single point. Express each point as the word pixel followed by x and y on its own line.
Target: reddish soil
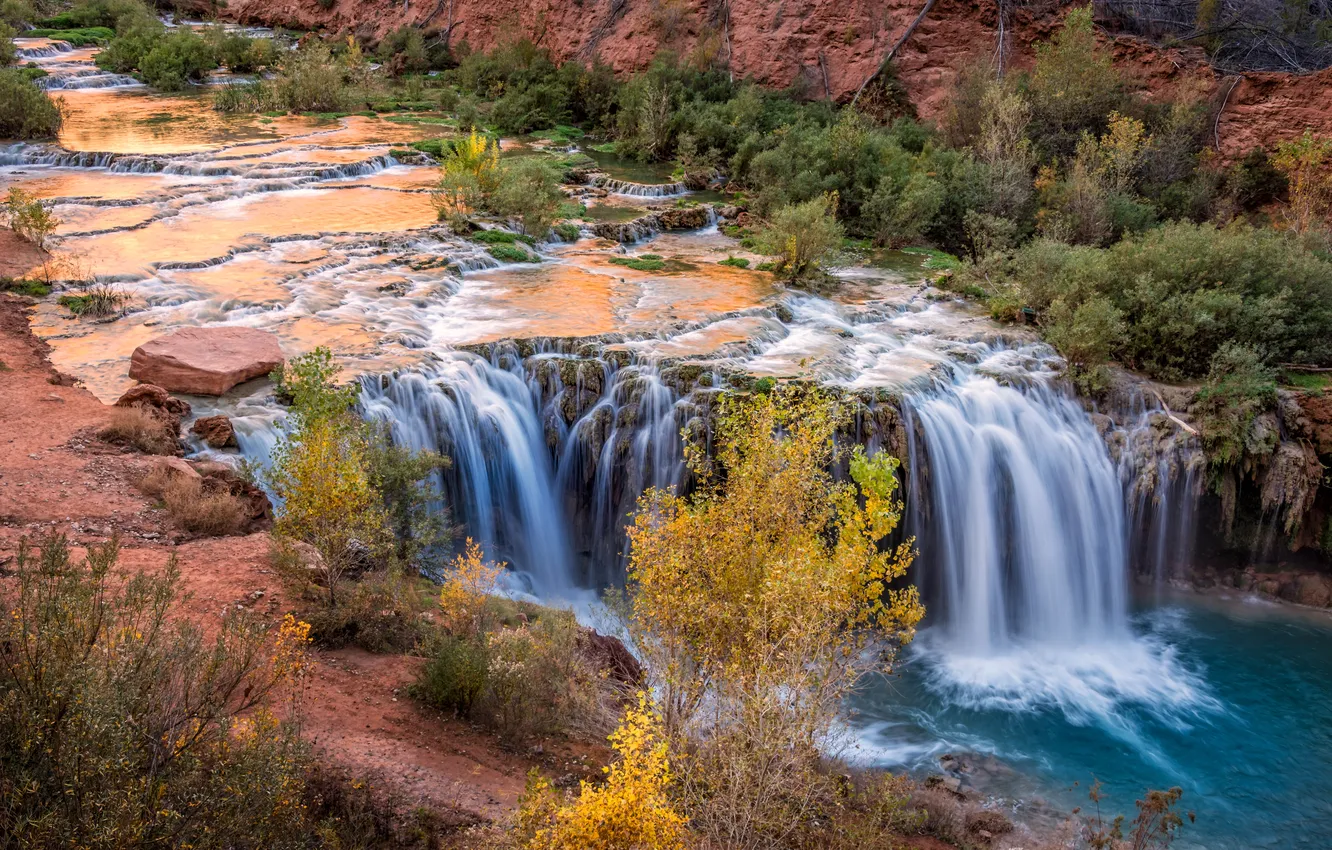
pixel 56 475
pixel 825 47
pixel 17 256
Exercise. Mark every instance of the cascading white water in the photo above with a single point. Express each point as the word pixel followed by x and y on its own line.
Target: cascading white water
pixel 1022 520
pixel 483 417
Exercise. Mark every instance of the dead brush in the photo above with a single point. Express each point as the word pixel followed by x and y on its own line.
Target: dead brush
pixel 195 506
pixel 139 428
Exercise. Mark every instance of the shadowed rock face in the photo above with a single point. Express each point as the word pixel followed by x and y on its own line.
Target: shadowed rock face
pixel 206 361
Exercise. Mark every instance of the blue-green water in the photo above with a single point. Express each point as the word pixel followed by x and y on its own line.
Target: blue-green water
pixel 1230 700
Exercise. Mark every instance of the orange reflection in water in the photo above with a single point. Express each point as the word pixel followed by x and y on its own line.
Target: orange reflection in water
pixel 209 232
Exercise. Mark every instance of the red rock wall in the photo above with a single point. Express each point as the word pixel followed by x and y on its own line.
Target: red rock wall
pixel 781 43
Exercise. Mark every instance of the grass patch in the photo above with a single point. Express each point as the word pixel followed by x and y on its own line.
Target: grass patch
pixel 1314 382
pixel 936 260
pixel 640 264
pixel 512 254
pixel 97 301
pixel 77 37
pixel 434 147
pixel 136 427
pixel 420 119
pixel 32 72
pixel 567 232
pixel 500 237
pixel 194 506
pixel 735 262
pixel 32 288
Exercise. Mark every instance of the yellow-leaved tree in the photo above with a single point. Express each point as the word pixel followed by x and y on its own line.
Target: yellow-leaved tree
pixel 759 602
pixel 631 811
pixel 468 174
pixel 321 473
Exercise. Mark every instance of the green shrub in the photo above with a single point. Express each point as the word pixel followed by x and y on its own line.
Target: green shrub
pixel 454 674
pixel 77 37
pixel 178 60
pixel 1073 87
pixel 106 696
pixel 1184 290
pixel 1238 387
pixel 8 50
pixel 312 81
pixel 802 237
pixel 494 237
pixel 17 13
pixel 567 232
pixel 27 112
pixel 528 189
pixel 512 254
pixel 735 262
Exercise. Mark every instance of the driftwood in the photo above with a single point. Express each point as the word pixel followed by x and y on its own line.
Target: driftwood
pixel 1172 417
pixel 929 4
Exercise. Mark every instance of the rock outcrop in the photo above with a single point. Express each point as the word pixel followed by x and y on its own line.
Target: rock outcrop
pixel 216 431
pixel 206 361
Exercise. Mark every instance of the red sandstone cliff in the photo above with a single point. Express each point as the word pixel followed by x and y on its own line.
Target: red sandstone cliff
pixel 827 47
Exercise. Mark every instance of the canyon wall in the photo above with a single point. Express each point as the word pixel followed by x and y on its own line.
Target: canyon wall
pixel 826 48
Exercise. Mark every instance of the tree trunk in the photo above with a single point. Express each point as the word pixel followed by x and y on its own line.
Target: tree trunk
pixel 929 4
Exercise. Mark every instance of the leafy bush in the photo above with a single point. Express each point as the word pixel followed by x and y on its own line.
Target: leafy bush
pixel 27 112
pixel 311 80
pixel 802 237
pixel 567 231
pixel 454 674
pixel 107 697
pixel 1238 387
pixel 17 13
pixel 29 217
pixel 512 254
pixel 734 262
pixel 1183 290
pixel 1073 86
pixel 528 190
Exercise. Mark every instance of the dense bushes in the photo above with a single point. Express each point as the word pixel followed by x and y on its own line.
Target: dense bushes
pixel 171 59
pixel 123 726
pixel 1165 301
pixel 26 112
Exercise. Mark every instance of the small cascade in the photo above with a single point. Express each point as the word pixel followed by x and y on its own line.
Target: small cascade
pixel 86 79
pixel 49 50
pixel 640 190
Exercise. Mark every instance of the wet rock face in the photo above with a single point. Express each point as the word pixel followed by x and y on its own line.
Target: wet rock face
pixel 1316 420
pixel 206 361
pixel 216 431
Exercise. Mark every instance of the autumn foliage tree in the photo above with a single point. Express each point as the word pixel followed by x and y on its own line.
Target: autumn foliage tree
pixel 759 602
pixel 632 809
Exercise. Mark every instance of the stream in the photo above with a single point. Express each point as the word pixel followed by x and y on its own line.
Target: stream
pixel 560 389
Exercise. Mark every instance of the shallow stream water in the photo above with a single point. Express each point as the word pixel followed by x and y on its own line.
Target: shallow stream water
pixel 1036 664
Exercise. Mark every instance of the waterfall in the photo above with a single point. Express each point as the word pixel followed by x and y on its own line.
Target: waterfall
pixel 641 190
pixel 1021 520
pixel 549 453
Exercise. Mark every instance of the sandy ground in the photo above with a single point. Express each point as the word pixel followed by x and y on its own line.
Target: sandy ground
pixel 56 475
